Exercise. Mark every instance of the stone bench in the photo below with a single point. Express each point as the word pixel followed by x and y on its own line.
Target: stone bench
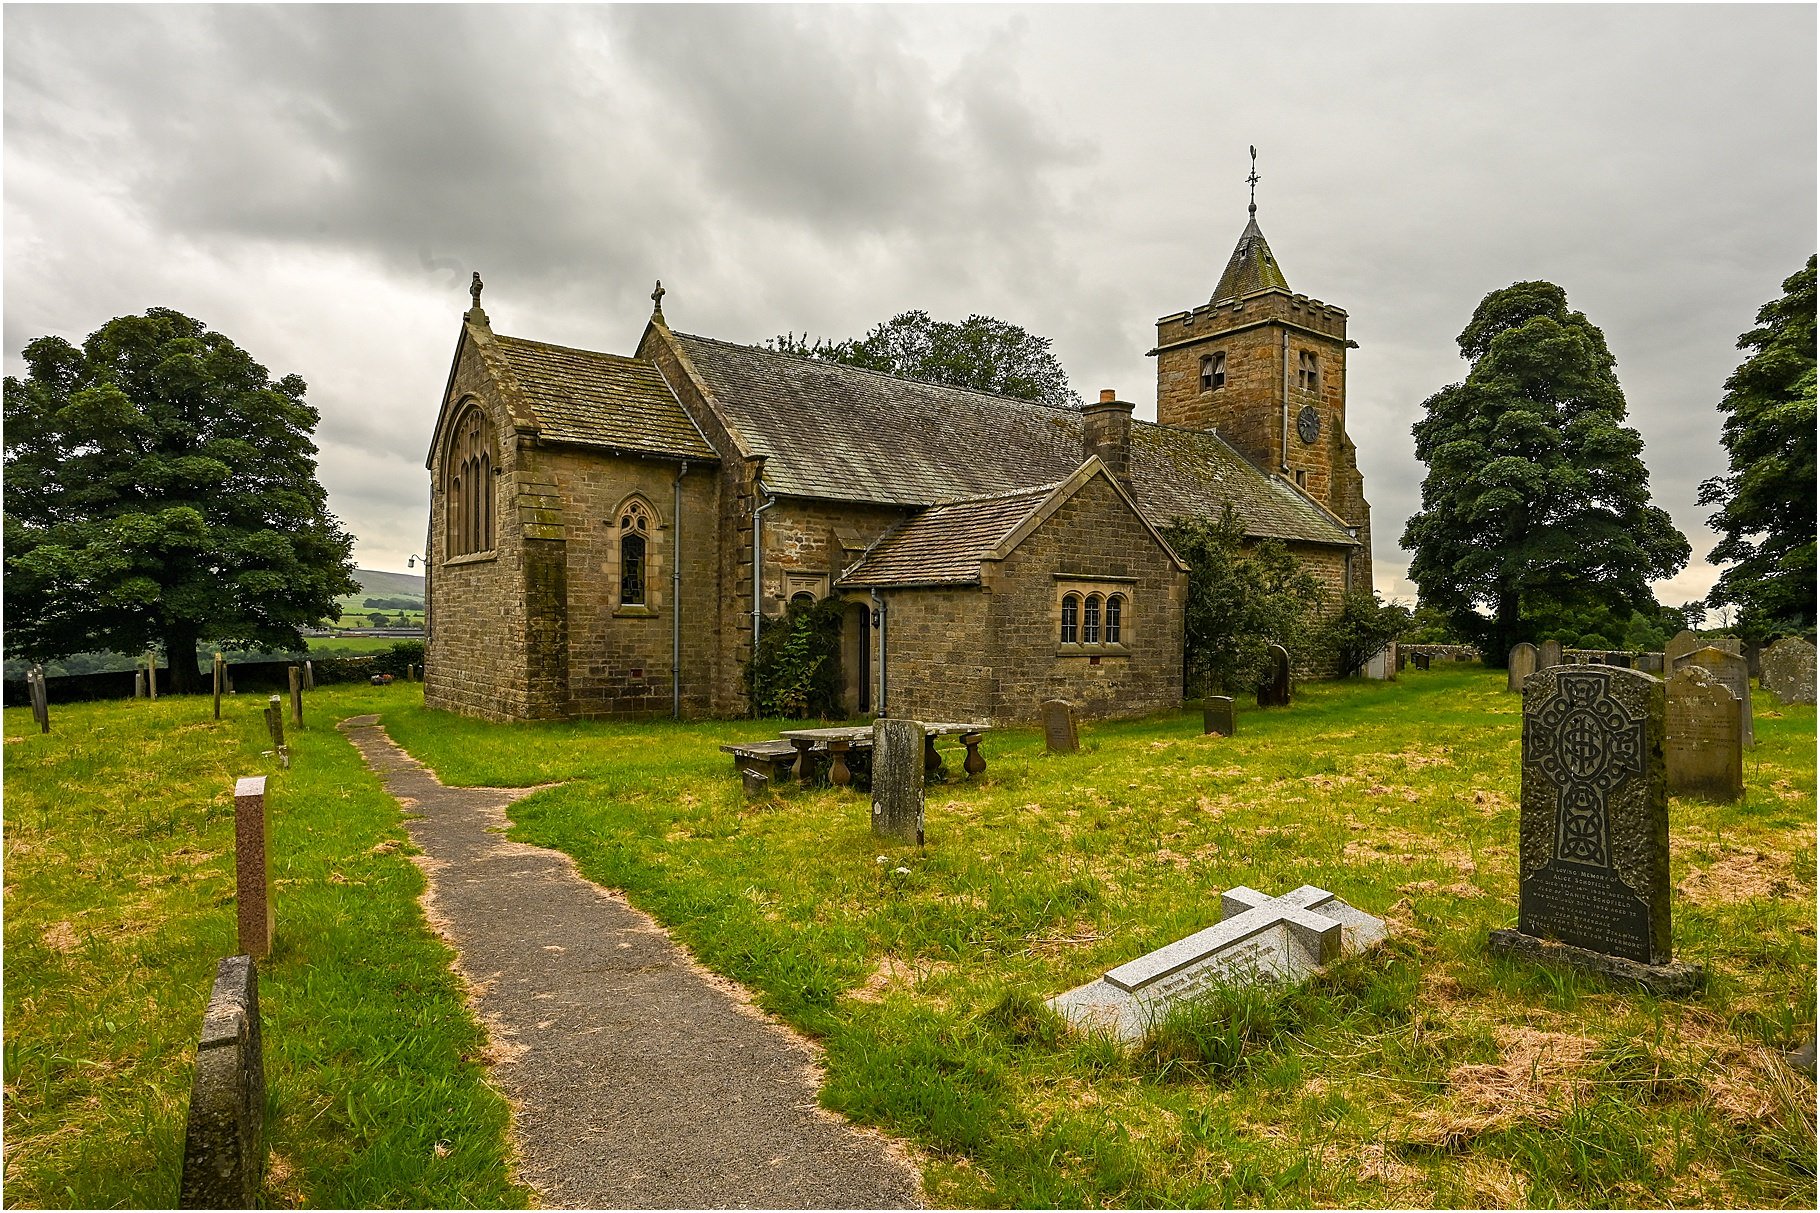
pixel 773 758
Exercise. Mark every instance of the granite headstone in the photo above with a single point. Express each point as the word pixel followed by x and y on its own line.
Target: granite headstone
pixel 1593 877
pixel 1218 716
pixel 1705 742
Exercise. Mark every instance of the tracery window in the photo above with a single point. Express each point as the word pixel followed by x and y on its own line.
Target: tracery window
pixel 1071 619
pixel 634 543
pixel 468 492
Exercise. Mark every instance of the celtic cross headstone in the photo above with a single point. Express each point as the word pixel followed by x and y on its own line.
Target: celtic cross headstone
pixel 1593 834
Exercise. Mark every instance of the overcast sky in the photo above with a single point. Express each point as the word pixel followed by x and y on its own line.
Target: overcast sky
pixel 318 183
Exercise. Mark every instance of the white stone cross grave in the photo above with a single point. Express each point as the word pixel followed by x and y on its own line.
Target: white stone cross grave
pixel 1258 937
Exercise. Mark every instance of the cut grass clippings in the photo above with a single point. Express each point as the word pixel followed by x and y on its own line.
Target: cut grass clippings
pixel 119 876
pixel 1426 1073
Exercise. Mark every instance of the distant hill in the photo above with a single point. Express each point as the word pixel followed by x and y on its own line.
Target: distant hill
pixel 375 584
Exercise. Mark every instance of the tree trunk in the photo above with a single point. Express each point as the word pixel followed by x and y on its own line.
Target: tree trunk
pixel 180 654
pixel 1506 634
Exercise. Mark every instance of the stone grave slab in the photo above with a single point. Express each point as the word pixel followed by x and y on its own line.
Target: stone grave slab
pixel 1549 654
pixel 1521 665
pixel 1273 692
pixel 1732 670
pixel 224 1136
pixel 1593 877
pixel 1061 732
pixel 1218 715
pixel 1705 742
pixel 1788 670
pixel 1683 643
pixel 1258 938
pixel 1650 663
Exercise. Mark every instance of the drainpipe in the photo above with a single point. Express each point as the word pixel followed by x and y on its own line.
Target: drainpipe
pixel 676 593
pixel 1285 446
pixel 758 569
pixel 878 628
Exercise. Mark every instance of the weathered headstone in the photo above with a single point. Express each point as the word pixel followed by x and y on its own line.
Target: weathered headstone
pixel 1421 661
pixel 1683 643
pixel 1219 716
pixel 897 779
pixel 1061 734
pixel 1273 692
pixel 1379 666
pixel 224 1140
pixel 1258 937
pixel 1621 660
pixel 1650 663
pixel 755 782
pixel 1788 670
pixel 1593 879
pixel 220 674
pixel 309 675
pixel 1753 660
pixel 252 867
pixel 1521 665
pixel 296 675
pixel 1731 670
pixel 41 698
pixel 139 685
pixel 151 674
pixel 1549 654
pixel 1705 740
pixel 274 721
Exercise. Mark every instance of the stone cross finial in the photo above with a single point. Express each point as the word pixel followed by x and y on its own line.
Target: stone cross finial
pixel 657 298
pixel 474 289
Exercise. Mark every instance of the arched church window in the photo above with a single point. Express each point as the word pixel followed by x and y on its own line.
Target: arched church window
pixel 468 491
pixel 1071 619
pixel 1090 621
pixel 634 543
pixel 1115 619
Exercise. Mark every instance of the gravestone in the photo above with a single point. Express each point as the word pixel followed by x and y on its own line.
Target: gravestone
pixel 151 674
pixel 1402 657
pixel 296 676
pixel 1060 732
pixel 1273 692
pixel 1549 654
pixel 1420 660
pixel 1593 879
pixel 309 675
pixel 754 781
pixel 1734 674
pixel 1621 660
pixel 220 672
pixel 224 1139
pixel 897 779
pixel 1650 663
pixel 1683 643
pixel 252 867
pixel 1788 670
pixel 1753 660
pixel 1705 739
pixel 139 685
pixel 1380 666
pixel 1218 716
pixel 1521 665
pixel 1258 938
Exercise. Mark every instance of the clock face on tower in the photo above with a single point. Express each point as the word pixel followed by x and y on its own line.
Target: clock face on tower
pixel 1308 424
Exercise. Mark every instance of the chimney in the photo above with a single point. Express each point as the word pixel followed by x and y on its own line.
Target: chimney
pixel 1106 432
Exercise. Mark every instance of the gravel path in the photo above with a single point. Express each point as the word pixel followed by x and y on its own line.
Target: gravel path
pixel 637 1078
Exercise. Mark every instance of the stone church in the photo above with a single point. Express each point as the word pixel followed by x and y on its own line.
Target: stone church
pixel 607 531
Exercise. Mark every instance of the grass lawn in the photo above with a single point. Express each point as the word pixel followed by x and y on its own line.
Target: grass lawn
pixel 1428 1073
pixel 119 837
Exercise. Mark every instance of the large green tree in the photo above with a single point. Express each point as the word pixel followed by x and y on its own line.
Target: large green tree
pixel 1766 500
pixel 161 491
pixel 1536 496
pixel 981 353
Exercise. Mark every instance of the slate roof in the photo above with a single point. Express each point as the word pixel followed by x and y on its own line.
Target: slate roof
pixel 596 399
pixel 837 432
pixel 945 543
pixel 1252 267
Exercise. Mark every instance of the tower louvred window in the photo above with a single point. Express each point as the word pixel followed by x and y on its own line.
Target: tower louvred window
pixel 1213 372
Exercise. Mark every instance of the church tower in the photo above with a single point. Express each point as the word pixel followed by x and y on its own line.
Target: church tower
pixel 1265 368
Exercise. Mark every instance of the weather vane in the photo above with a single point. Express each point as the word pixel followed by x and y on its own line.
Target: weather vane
pixel 1254 180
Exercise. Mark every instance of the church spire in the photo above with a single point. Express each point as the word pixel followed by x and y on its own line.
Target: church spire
pixel 1252 267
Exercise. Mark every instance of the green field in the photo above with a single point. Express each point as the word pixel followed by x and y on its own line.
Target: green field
pixel 1426 1073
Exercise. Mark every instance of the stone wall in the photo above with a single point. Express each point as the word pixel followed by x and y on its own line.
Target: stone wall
pixel 939 667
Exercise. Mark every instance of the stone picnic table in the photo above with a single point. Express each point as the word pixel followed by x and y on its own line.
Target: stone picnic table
pixel 837 742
